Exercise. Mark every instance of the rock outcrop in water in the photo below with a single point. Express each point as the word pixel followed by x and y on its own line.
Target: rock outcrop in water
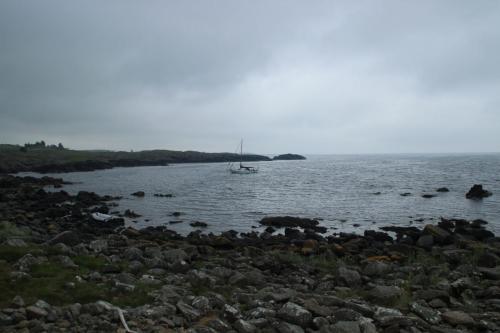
pixel 288 221
pixel 477 192
pixel 61 271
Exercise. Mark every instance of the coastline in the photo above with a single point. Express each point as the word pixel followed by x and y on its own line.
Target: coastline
pixel 52 160
pixel 62 264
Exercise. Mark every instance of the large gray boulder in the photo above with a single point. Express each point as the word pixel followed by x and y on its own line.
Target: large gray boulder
pixel 345 327
pixel 68 237
pixel 295 314
pixel 348 277
pixel 175 255
pixel 289 328
pixel 243 326
pixel 188 311
pixel 385 294
pixel 457 318
pixel 377 268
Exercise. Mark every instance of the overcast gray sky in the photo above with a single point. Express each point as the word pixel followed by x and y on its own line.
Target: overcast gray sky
pixel 287 76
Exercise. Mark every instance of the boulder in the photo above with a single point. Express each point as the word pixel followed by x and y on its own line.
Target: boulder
pixel 440 235
pixel 188 311
pixel 139 194
pixel 376 268
pixel 425 241
pixel 230 312
pixel 99 245
pixel 198 278
pixel 284 327
pixel 18 302
pixel 289 221
pixel 345 327
pixel 348 277
pixel 457 318
pixel 198 224
pixel 295 314
pixel 428 314
pixel 490 273
pixel 68 237
pixel 243 326
pixel 131 214
pixel 35 312
pixel 175 255
pixel 477 192
pixel 488 259
pixel 133 253
pixel 385 294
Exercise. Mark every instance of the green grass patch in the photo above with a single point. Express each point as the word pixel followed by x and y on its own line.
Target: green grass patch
pixel 139 296
pixel 424 258
pixel 323 263
pixel 13 253
pixel 349 293
pixel 49 282
pixel 10 230
pixel 89 262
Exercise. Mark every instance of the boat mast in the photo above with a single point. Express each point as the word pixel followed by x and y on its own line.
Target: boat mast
pixel 241 153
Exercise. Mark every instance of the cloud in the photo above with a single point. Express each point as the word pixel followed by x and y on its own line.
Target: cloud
pixel 328 77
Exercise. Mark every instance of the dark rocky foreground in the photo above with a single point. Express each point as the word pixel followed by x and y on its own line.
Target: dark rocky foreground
pixel 62 272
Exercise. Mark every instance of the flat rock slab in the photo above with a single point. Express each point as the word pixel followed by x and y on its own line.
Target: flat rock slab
pixel 457 318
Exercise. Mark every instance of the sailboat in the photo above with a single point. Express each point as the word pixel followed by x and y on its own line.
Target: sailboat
pixel 243 169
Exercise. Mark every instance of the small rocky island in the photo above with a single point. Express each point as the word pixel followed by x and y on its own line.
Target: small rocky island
pixel 62 271
pixel 288 157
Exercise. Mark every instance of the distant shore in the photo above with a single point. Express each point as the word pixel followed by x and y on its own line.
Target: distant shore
pixel 15 158
pixel 60 269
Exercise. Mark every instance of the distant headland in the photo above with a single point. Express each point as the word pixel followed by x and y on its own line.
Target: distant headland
pixel 51 158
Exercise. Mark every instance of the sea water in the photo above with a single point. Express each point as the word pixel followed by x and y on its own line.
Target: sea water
pixel 348 193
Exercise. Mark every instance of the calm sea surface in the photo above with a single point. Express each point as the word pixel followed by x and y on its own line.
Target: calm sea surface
pixel 341 190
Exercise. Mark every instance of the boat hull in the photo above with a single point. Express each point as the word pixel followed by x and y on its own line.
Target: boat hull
pixel 243 171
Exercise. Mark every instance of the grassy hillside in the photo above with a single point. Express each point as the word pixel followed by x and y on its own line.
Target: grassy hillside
pixel 46 159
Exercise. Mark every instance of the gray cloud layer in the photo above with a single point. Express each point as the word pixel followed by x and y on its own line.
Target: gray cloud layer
pixel 308 77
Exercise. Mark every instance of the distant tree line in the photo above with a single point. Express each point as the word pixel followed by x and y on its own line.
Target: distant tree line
pixel 40 144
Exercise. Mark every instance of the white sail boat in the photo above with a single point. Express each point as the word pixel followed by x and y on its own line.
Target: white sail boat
pixel 243 169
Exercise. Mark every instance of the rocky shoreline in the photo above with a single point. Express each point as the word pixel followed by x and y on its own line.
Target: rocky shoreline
pixel 60 271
